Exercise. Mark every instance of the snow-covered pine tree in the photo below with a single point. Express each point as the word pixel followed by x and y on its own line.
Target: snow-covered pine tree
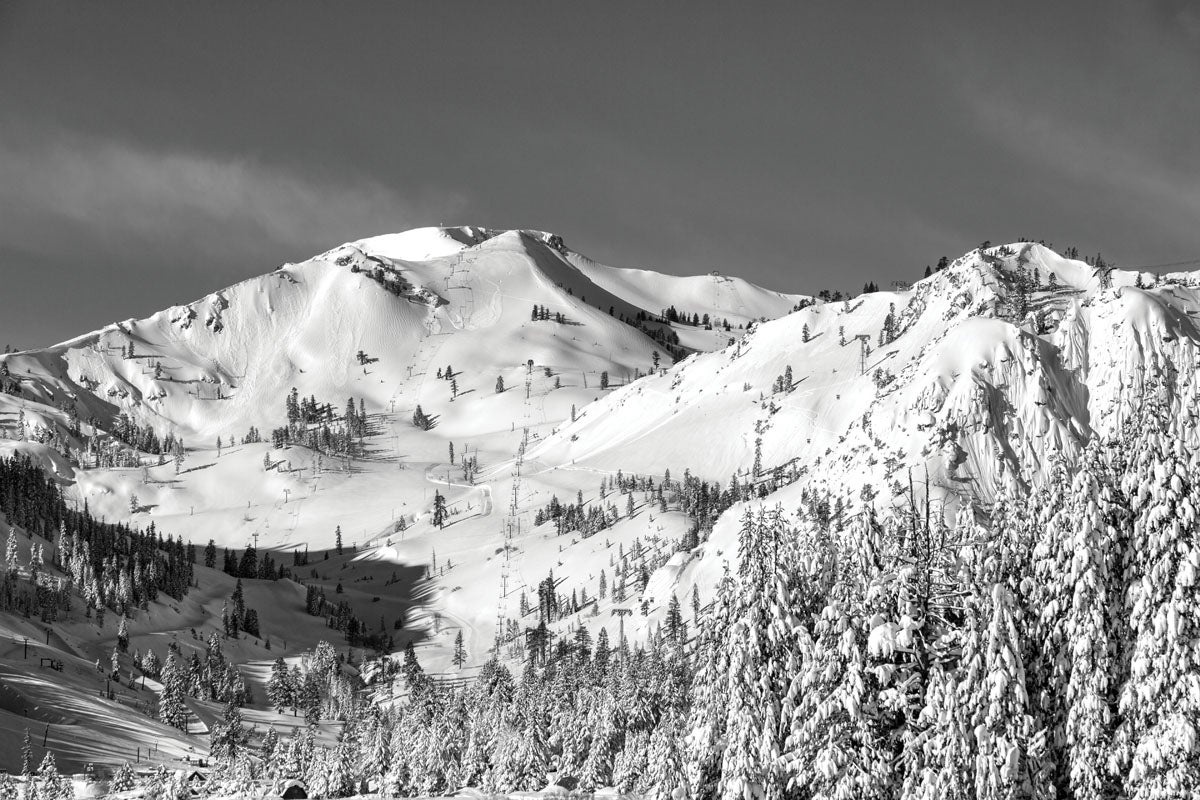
pixel 596 770
pixel 51 784
pixel 488 699
pixel 279 686
pixel 710 687
pixel 666 777
pixel 630 763
pixel 227 739
pixel 290 758
pixel 946 767
pixel 834 747
pixel 174 786
pixel 760 661
pixel 239 777
pixel 460 653
pixel 1157 739
pixel 675 627
pixel 521 754
pixel 1092 628
pixel 26 755
pixel 342 770
pixel 909 597
pixel 268 748
pixel 122 780
pixel 11 563
pixel 1008 748
pixel 171 708
pixel 316 776
pixel 1057 506
pixel 376 752
pixel 439 509
pixel 154 784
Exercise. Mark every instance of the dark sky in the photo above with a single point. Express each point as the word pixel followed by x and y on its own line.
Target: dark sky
pixel 153 152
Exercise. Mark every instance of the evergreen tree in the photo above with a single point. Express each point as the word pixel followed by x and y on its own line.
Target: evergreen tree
pixel 629 766
pixel 171 708
pixel 596 770
pixel 248 568
pixel 270 744
pixel 1160 701
pixel 239 776
pixel 122 780
pixel 665 777
pixel 26 755
pixel 460 653
pixel 676 630
pixel 279 686
pixel 833 743
pixel 946 756
pixel 11 564
pixel 1091 628
pixel 439 509
pixel 227 739
pixel 757 644
pixel 994 686
pixel 51 784
pixel 123 635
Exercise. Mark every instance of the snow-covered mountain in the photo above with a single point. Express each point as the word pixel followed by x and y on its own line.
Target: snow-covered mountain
pixel 990 364
pixel 974 374
pixel 227 361
pixel 376 320
pixel 556 377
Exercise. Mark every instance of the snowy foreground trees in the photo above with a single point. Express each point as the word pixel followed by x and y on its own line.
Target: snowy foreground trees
pixel 1051 652
pixel 1043 647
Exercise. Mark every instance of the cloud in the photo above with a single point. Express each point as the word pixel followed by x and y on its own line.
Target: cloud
pixel 1128 171
pixel 63 190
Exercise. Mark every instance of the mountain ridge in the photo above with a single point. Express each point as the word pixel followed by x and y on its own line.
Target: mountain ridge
pixel 970 387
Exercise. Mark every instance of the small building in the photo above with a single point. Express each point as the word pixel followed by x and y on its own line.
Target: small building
pixel 294 790
pixel 195 782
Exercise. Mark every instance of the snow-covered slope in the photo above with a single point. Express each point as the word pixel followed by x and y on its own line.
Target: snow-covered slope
pixel 992 368
pixel 976 376
pixel 970 370
pixel 464 296
pixel 414 305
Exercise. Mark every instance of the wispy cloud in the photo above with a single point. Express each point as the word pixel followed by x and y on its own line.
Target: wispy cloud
pixel 1109 129
pixel 1152 185
pixel 63 186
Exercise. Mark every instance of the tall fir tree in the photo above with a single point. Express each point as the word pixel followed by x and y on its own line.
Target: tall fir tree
pixel 171 708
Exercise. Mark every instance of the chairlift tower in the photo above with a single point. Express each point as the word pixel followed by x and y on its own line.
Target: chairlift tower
pixel 511 529
pixel 864 345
